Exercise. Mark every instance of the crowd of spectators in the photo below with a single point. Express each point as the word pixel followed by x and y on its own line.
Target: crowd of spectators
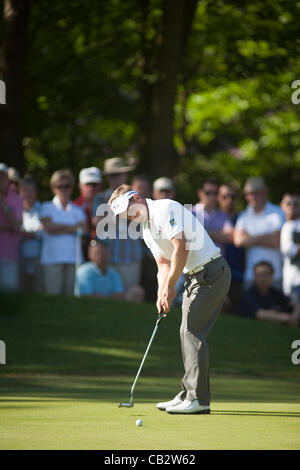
pixel 56 247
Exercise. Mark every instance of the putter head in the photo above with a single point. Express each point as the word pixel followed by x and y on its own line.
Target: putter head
pixel 126 405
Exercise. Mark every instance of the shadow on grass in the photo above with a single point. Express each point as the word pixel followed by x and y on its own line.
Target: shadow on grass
pixel 285 414
pixel 40 388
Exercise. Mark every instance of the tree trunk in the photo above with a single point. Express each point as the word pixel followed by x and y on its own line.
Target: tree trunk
pixel 158 156
pixel 16 14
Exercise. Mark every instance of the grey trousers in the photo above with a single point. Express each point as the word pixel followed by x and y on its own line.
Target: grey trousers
pixel 203 298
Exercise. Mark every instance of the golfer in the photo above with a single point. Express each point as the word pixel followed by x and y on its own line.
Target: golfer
pixel 179 243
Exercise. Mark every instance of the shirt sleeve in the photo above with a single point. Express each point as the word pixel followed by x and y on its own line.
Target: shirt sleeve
pixel 240 223
pixel 45 210
pixel 154 248
pixel 172 217
pixel 280 220
pixel 118 287
pixel 84 282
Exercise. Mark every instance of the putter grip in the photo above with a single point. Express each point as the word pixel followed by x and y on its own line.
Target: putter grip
pixel 160 316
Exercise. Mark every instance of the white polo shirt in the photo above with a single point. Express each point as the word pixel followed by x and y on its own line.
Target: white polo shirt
pixel 60 249
pixel 291 262
pixel 168 218
pixel 269 220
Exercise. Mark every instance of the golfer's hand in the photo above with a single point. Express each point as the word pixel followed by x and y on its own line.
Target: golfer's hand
pixel 159 306
pixel 168 295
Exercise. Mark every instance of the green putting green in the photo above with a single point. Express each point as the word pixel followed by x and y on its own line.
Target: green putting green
pixel 71 361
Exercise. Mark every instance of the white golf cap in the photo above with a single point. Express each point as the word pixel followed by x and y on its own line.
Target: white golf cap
pixel 90 175
pixel 163 183
pixel 120 204
pixel 4 168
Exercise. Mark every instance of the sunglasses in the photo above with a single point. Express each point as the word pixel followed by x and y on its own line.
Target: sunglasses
pixel 63 186
pixel 211 193
pixel 228 196
pixel 292 204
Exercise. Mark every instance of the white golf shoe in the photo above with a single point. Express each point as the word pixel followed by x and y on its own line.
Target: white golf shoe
pixel 188 407
pixel 167 404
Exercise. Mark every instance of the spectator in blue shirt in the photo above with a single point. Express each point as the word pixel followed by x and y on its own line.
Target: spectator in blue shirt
pixel 95 278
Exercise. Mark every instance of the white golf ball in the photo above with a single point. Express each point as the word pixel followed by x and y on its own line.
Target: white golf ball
pixel 139 422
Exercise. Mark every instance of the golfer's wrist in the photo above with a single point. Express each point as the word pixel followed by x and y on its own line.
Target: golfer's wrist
pixel 170 284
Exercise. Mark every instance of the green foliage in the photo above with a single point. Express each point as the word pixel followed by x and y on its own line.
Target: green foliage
pixel 237 118
pixel 91 64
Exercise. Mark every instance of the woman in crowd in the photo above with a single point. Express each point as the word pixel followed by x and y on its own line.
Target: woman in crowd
pixel 31 233
pixel 63 221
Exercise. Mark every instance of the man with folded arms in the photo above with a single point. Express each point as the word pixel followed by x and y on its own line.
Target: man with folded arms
pixel 258 231
pixel 179 243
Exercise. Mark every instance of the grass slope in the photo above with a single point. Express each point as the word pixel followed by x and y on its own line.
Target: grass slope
pixel 87 336
pixel 71 361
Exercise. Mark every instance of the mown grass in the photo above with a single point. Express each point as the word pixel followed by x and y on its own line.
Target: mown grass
pixel 71 361
pixel 51 334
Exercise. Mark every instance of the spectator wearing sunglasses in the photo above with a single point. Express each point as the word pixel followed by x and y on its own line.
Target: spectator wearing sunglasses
pixel 62 220
pixel 289 204
pixel 217 223
pixel 235 256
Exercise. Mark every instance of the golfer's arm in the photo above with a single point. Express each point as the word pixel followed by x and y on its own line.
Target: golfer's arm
pixel 178 260
pixel 163 268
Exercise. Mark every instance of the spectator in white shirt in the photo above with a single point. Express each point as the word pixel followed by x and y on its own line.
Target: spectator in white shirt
pixel 62 221
pixel 258 231
pixel 31 233
pixel 290 248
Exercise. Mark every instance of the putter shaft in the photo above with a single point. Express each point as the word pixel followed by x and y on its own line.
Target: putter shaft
pixel 130 404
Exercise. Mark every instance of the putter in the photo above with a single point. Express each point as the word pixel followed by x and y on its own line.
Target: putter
pixel 130 404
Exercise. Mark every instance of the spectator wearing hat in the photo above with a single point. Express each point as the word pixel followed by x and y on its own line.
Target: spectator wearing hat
pixel 163 188
pixel 116 171
pixel 62 220
pixel 290 247
pixel 14 179
pixel 10 223
pixel 90 180
pixel 125 253
pixel 216 222
pixel 31 237
pixel 258 231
